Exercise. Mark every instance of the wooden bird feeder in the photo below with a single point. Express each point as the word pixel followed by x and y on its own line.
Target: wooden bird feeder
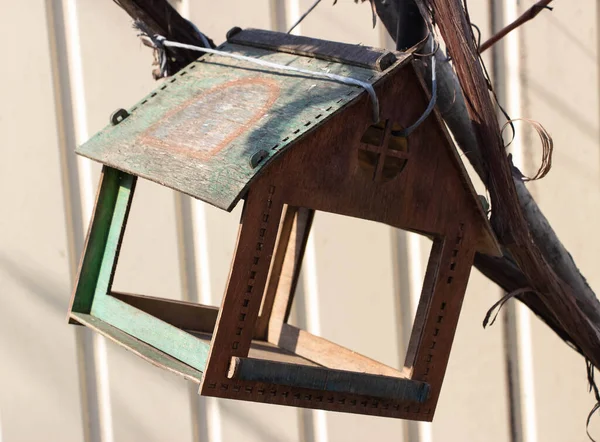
pixel 287 144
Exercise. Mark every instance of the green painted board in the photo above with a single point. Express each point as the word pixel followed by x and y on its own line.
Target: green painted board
pixel 165 337
pixel 138 347
pixel 199 130
pixel 114 198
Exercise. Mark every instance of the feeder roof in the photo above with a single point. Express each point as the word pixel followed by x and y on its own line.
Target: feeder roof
pixel 211 128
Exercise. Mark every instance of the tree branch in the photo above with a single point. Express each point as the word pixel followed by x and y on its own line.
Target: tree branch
pixel 508 218
pixel 162 19
pixel 504 271
pixel 524 18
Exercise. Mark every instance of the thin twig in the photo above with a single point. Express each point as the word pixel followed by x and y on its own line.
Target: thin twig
pixel 524 18
pixel 303 16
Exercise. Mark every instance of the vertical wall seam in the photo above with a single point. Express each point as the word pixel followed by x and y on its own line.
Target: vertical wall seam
pixel 519 359
pixel 78 194
pixel 57 44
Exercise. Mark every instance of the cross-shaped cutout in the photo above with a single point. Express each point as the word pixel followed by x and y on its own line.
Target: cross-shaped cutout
pixel 381 153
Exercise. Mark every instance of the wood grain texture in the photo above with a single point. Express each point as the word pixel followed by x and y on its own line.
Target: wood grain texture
pixel 429 194
pixel 348 167
pixel 241 303
pixel 356 55
pixel 285 271
pixel 328 380
pixel 108 207
pixel 165 337
pixel 328 354
pixel 138 347
pixel 266 351
pixel 181 314
pixel 199 131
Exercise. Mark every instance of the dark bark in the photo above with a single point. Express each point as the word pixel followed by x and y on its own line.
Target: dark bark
pixel 159 17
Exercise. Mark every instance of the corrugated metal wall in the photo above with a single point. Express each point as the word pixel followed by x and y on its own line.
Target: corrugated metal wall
pixel 68 64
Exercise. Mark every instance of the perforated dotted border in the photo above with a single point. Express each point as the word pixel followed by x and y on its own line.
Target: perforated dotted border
pixel 248 297
pixel 304 127
pixel 281 394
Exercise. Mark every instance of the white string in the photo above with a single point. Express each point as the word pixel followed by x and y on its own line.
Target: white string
pixel 406 132
pixel 339 78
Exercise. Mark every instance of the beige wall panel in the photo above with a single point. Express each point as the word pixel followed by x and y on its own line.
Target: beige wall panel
pixel 562 94
pixel 116 71
pixel 39 395
pixel 216 18
pixel 345 21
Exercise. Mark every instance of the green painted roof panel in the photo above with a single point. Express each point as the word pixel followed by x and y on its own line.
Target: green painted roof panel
pixel 200 131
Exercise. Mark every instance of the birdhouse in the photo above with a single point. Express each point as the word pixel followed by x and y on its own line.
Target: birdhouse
pixel 287 144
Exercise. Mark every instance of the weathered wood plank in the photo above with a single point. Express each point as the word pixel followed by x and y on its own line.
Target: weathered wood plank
pixel 356 55
pixel 181 314
pixel 171 340
pixel 265 350
pixel 328 354
pixel 326 379
pixel 112 205
pixel 183 136
pixel 140 348
pixel 285 270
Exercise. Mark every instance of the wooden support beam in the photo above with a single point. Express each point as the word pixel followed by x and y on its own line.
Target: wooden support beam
pixel 328 354
pixel 140 348
pixel 181 314
pixel 326 379
pixel 113 200
pixel 285 270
